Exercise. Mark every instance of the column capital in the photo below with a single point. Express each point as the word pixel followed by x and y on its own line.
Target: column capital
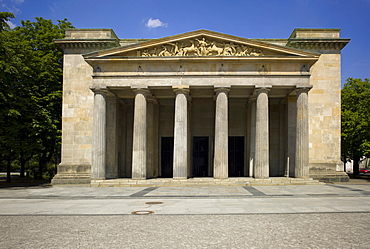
pixel 262 90
pixel 151 99
pixel 300 89
pixel 111 95
pixel 251 99
pixel 100 90
pixel 225 90
pixel 143 91
pixel 181 89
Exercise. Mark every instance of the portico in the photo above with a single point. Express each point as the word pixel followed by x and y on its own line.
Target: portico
pixel 186 116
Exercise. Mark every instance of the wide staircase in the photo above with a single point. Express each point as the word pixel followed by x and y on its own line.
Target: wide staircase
pixel 206 181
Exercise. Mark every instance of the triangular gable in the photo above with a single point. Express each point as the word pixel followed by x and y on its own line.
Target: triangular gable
pixel 201 43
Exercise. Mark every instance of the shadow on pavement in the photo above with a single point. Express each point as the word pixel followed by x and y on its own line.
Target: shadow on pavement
pixel 26 182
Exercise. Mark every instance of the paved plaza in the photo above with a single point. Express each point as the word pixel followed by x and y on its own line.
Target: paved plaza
pixel 292 216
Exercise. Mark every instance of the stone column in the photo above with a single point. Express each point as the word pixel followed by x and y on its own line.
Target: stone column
pixel 139 147
pixel 112 137
pixel 261 165
pixel 302 148
pixel 180 153
pixel 252 135
pixel 150 136
pixel 282 138
pixel 99 134
pixel 221 159
pixel 291 130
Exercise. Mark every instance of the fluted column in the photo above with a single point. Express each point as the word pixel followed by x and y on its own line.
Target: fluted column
pixel 221 159
pixel 180 151
pixel 302 147
pixel 261 164
pixel 99 134
pixel 139 146
pixel 112 137
pixel 151 136
pixel 252 140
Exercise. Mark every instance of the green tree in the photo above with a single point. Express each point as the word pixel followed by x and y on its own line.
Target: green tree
pixel 32 90
pixel 355 121
pixel 4 19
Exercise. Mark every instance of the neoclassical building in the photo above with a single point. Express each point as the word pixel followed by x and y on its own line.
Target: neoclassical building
pixel 201 104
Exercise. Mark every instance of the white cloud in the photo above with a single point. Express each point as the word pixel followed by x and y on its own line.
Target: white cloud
pixel 155 23
pixel 12 6
pixel 11 25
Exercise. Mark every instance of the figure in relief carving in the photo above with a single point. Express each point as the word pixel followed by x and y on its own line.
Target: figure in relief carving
pixel 175 49
pixel 164 51
pixel 145 53
pixel 229 49
pixel 202 47
pixel 154 51
pixel 191 49
pixel 256 52
pixel 214 49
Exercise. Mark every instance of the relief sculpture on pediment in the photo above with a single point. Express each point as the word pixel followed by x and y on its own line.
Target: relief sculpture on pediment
pixel 201 47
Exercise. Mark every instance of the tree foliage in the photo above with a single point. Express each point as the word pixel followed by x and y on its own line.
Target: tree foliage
pixel 356 120
pixel 30 99
pixel 4 19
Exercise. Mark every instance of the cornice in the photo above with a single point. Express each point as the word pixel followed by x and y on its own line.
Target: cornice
pixel 90 44
pixel 311 44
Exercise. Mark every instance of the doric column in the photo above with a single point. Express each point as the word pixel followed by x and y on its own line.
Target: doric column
pixel 112 137
pixel 261 165
pixel 302 148
pixel 99 134
pixel 151 136
pixel 252 135
pixel 221 135
pixel 139 146
pixel 291 130
pixel 180 150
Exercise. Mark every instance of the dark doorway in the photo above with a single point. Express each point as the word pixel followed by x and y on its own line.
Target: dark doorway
pixel 236 156
pixel 167 157
pixel 200 156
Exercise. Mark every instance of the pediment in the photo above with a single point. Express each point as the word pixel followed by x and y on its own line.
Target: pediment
pixel 201 43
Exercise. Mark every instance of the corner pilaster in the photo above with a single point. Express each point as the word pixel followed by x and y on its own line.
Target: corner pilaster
pixel 98 166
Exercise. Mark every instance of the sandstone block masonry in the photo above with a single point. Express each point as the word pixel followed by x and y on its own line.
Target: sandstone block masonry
pixel 200 104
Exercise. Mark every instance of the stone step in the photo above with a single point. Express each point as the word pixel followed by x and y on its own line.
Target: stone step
pixel 193 182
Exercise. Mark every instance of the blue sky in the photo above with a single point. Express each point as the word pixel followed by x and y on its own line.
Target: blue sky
pixel 245 18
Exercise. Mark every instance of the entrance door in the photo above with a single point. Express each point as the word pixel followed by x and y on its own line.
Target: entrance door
pixel 167 157
pixel 200 156
pixel 236 156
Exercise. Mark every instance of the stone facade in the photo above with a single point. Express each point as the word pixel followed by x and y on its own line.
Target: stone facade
pixel 200 104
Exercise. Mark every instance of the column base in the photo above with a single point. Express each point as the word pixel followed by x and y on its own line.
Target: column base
pixel 327 172
pixel 220 177
pixel 180 178
pixel 72 174
pixel 138 178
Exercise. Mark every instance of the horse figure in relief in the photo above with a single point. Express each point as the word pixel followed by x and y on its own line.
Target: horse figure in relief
pixel 214 49
pixel 191 49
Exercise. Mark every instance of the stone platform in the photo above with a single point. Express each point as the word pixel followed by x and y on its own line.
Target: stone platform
pixel 206 181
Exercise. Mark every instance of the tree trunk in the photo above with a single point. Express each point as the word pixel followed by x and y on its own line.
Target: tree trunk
pixel 23 163
pixel 356 166
pixel 8 170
